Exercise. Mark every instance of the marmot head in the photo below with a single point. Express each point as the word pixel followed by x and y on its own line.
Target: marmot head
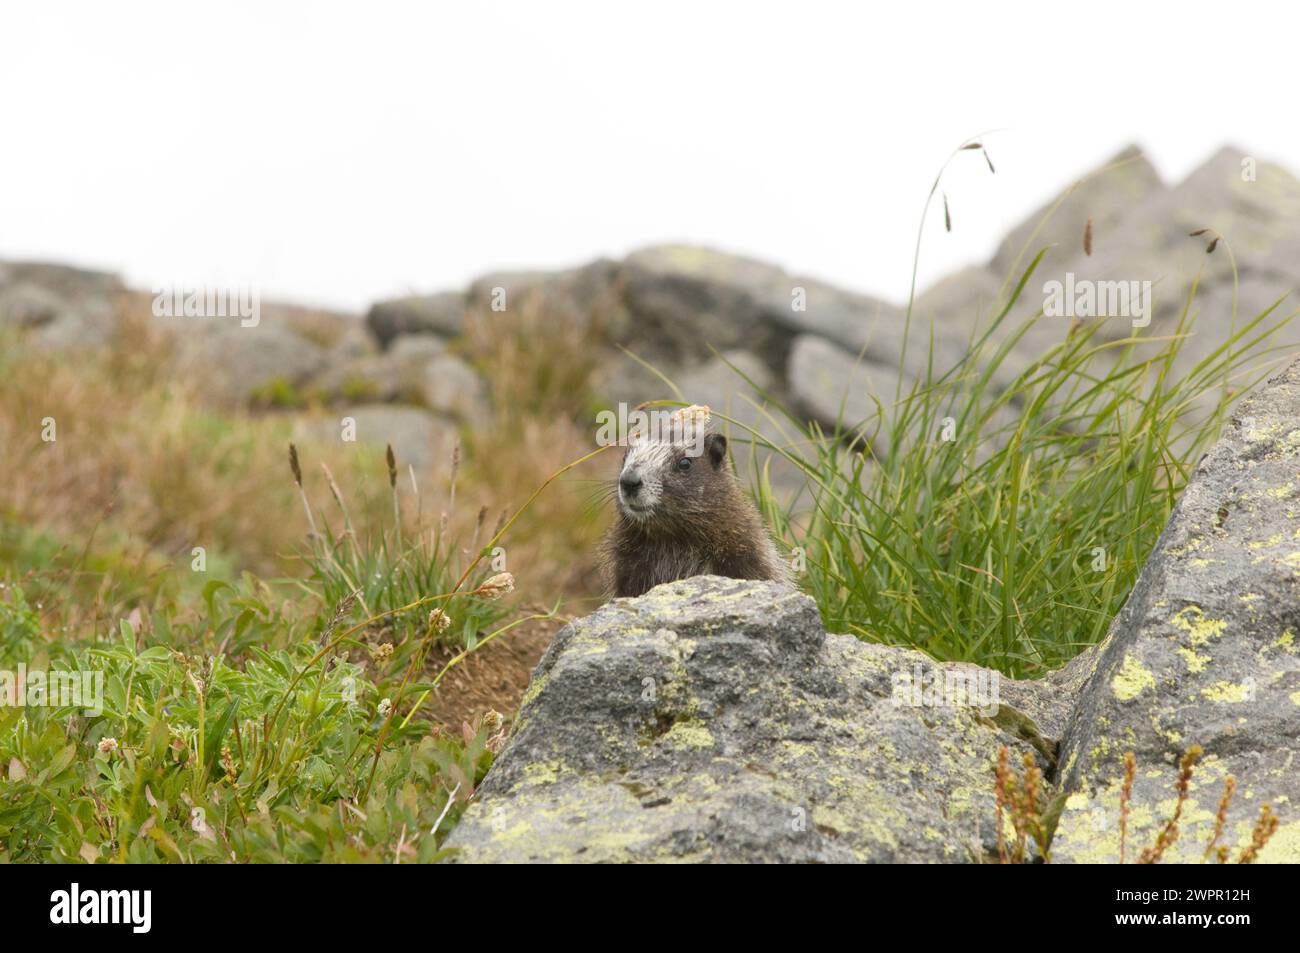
pixel 672 481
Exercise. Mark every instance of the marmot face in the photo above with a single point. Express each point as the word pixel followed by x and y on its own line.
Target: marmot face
pixel 669 483
pixel 681 512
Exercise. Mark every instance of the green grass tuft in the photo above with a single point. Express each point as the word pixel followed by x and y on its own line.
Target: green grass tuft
pixel 1006 525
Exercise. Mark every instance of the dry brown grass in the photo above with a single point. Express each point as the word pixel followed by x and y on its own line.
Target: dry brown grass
pixel 144 460
pixel 139 456
pixel 1021 796
pixel 539 365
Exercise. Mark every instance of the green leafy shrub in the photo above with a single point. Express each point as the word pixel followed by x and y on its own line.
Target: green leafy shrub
pixel 195 758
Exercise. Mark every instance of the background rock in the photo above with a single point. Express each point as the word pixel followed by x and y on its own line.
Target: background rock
pixel 441 314
pixel 1106 195
pixel 416 369
pixel 832 384
pixel 242 365
pixel 681 299
pixel 62 308
pixel 579 294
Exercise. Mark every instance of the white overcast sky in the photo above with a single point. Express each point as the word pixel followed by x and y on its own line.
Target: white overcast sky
pixel 340 154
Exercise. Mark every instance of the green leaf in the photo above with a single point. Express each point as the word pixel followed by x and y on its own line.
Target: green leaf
pixel 210 591
pixel 217 733
pixel 60 762
pixel 127 632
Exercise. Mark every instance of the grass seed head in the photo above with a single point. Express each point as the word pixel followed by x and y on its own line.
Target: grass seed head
pixel 502 584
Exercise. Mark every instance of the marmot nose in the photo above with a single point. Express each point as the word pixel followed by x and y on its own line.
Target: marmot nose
pixel 631 483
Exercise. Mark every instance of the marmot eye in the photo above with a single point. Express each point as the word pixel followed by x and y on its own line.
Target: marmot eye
pixel 684 464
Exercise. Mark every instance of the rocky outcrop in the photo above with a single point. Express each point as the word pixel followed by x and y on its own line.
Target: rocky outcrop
pixel 1141 232
pixel 826 350
pixel 743 336
pixel 1206 652
pixel 715 720
pixel 682 297
pixel 581 295
pixel 820 351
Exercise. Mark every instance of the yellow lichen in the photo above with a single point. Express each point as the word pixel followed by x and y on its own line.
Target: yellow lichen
pixel 542 772
pixel 1226 692
pixel 1199 629
pixel 1195 663
pixel 689 734
pixel 1131 679
pixel 1274 540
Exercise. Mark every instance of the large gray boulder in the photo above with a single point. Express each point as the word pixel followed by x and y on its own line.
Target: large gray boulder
pixel 580 294
pixel 715 720
pixel 25 305
pixel 961 302
pixel 1205 652
pixel 680 299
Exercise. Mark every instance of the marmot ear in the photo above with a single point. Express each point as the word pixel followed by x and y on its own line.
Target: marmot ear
pixel 715 448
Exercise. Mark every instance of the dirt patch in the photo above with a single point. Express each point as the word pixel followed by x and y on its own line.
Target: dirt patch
pixel 494 677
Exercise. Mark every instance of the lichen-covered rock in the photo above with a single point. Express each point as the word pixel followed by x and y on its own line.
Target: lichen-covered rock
pixel 1205 652
pixel 714 720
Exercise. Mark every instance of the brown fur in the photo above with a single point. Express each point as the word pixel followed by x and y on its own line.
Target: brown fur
pixel 703 522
